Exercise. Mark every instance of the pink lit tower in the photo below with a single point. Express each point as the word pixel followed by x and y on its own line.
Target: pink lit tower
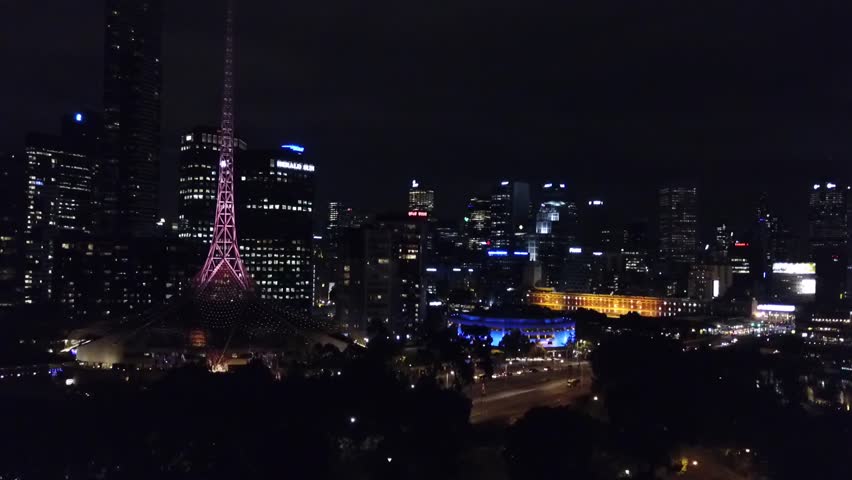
pixel 224 273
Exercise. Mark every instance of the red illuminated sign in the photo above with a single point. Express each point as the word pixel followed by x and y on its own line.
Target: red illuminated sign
pixel 418 214
pixel 741 244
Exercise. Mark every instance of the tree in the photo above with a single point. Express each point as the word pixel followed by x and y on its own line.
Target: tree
pixel 515 344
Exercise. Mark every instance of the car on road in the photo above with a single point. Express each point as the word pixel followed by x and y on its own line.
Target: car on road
pixel 573 382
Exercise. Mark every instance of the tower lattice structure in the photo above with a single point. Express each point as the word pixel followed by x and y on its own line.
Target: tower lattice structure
pixel 224 264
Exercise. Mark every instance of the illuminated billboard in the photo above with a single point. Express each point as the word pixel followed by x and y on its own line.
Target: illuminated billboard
pixel 806 286
pixel 784 268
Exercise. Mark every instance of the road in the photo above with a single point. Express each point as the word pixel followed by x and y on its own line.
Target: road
pixel 509 398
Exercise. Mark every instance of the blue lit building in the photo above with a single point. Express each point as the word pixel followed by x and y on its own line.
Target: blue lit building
pixel 546 328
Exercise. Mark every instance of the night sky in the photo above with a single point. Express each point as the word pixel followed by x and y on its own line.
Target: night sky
pixel 615 97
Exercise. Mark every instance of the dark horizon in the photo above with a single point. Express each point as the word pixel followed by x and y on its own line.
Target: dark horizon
pixel 615 99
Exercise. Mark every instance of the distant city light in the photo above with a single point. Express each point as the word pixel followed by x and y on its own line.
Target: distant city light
pixel 295 148
pixel 772 307
pixel 414 184
pixel 497 253
pixel 596 203
pixel 830 185
pixel 597 254
pixel 456 269
pixel 78 117
pixel 548 185
pixel 575 250
pixel 504 183
pixel 561 185
pixel 431 269
pixel 520 253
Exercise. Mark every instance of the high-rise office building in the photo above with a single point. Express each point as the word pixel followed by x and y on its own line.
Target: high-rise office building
pixel 722 239
pixel 598 232
pixel 421 199
pixel 678 230
pixel 477 223
pixel 383 274
pixel 58 200
pixel 555 232
pixel 510 212
pixel 828 237
pixel 275 198
pixel 128 172
pixel 199 162
pixel 635 258
pixel 678 215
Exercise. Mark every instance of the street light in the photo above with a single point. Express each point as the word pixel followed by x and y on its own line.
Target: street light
pixel 352 419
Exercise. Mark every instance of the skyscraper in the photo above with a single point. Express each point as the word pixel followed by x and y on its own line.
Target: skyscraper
pixel 127 177
pixel 678 215
pixel 555 233
pixel 59 173
pixel 199 162
pixel 510 211
pixel 477 223
pixel 382 274
pixel 275 198
pixel 420 199
pixel 828 237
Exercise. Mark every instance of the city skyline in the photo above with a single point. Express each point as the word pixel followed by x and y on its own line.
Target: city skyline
pixel 421 241
pixel 726 139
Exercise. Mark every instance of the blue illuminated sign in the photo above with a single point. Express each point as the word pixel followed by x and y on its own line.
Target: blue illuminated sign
pixel 521 253
pixel 497 253
pixel 295 148
pixel 78 117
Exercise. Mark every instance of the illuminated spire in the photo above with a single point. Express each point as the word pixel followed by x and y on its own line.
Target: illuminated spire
pixel 223 262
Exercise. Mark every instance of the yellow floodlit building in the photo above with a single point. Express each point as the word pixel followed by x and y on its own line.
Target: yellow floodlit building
pixel 615 305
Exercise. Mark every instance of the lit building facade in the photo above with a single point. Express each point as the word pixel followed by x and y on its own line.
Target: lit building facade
pixel 275 198
pixel 58 200
pixel 420 199
pixel 555 233
pixel 828 237
pixel 546 330
pixel 794 282
pixel 510 211
pixel 707 282
pixel 382 274
pixel 478 223
pixel 678 216
pixel 197 181
pixel 828 328
pixel 616 305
